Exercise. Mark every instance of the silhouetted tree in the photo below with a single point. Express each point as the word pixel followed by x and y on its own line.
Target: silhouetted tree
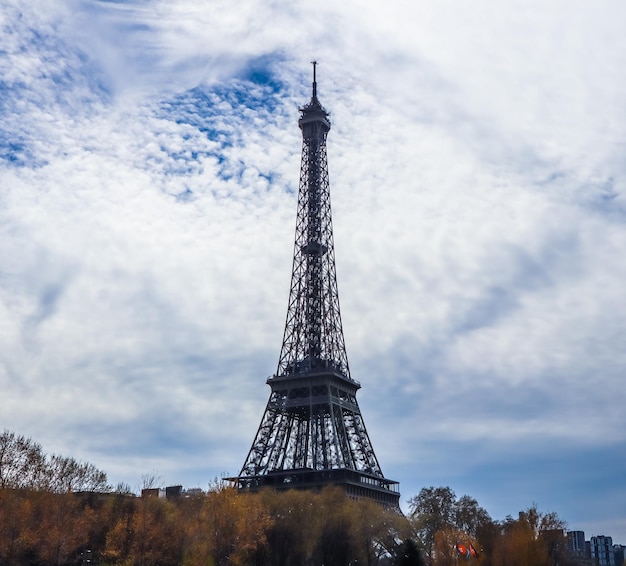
pixel 22 462
pixel 408 554
pixel 469 517
pixel 24 465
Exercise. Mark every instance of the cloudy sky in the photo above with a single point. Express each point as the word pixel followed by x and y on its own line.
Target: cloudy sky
pixel 149 162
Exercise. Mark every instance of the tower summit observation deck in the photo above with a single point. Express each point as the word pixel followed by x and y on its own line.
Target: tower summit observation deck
pixel 312 433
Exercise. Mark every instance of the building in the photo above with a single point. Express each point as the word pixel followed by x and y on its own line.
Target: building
pixel 576 542
pixel 578 548
pixel 602 551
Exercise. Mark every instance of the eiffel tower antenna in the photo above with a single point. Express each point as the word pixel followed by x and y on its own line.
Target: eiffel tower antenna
pixel 314 63
pixel 312 433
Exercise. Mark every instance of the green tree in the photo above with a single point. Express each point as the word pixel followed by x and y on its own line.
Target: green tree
pixel 432 510
pixel 469 517
pixel 440 520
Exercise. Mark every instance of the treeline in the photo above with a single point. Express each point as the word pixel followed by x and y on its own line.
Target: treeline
pixel 293 528
pixel 448 527
pixel 24 465
pixel 215 528
pixel 57 511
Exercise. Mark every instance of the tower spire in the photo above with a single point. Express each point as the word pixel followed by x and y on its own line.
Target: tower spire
pixel 312 432
pixel 314 97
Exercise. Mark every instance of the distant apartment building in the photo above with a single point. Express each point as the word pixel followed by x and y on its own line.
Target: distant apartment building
pixel 171 492
pixel 576 543
pixel 578 549
pixel 599 551
pixel 602 551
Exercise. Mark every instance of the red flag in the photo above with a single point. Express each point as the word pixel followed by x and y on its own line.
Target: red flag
pixel 473 551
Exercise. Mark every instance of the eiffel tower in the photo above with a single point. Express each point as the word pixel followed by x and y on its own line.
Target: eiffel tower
pixel 312 433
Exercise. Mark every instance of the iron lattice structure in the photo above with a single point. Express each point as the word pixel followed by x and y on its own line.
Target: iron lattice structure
pixel 312 432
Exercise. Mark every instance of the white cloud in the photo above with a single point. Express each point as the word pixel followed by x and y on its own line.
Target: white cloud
pixel 146 226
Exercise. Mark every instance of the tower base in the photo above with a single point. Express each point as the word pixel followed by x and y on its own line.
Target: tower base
pixel 356 484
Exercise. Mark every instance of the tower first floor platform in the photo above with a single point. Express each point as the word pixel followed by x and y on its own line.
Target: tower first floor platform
pixel 356 484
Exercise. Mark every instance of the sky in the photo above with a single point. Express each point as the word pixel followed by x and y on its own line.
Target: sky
pixel 149 166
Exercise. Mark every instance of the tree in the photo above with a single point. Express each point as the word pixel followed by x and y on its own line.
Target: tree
pixel 224 527
pixel 408 554
pixel 22 462
pixel 116 517
pixel 335 541
pixel 432 510
pixel 24 465
pixel 293 531
pixel 440 520
pixel 446 541
pixel 533 538
pixel 67 475
pixel 469 517
pixel 376 530
pixel 157 533
pixel 62 526
pixel 15 523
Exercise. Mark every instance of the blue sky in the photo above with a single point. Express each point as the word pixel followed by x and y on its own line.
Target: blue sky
pixel 149 161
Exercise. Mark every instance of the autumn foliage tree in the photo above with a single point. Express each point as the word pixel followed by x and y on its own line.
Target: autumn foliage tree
pixel 54 511
pixel 16 522
pixel 441 521
pixel 327 528
pixel 269 528
pixel 533 538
